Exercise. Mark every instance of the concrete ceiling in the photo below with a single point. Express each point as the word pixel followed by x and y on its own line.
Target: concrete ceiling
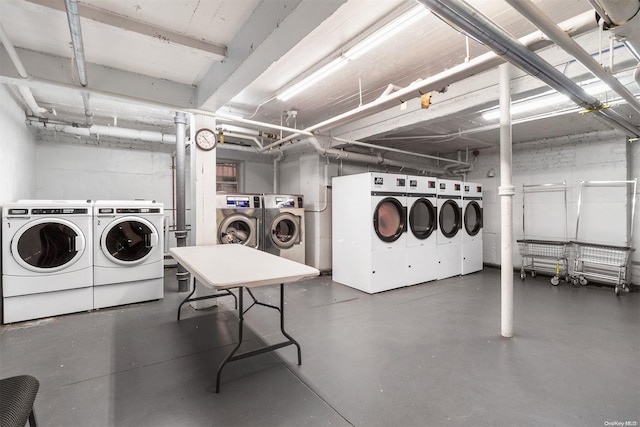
pixel 147 59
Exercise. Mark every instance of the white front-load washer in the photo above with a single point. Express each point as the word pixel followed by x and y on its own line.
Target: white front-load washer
pixel 472 227
pixel 284 230
pixel 369 241
pixel 422 257
pixel 129 252
pixel 239 219
pixel 47 258
pixel 449 228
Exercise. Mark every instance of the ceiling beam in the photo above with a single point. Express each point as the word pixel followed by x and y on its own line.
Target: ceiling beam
pixel 272 30
pixel 53 71
pixel 211 50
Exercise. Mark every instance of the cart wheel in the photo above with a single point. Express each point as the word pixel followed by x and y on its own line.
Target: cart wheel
pixel 583 281
pixel 533 274
pixel 555 280
pixel 575 282
pixel 567 279
pixel 617 291
pixel 523 275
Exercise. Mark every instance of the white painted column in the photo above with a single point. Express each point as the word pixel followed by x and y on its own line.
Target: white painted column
pixel 506 192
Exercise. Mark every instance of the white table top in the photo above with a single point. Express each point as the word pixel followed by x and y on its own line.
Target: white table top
pixel 231 266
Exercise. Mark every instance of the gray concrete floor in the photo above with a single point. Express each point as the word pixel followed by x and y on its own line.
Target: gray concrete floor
pixel 426 355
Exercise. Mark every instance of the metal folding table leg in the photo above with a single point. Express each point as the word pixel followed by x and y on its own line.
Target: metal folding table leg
pixel 189 299
pixel 233 357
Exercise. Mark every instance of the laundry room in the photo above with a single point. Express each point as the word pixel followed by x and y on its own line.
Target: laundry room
pixel 455 227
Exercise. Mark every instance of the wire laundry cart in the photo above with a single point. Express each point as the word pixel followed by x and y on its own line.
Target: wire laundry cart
pixel 545 255
pixel 599 262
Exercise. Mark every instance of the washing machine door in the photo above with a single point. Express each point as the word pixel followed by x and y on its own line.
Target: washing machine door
pixel 48 245
pixel 473 218
pixel 284 230
pixel 238 229
pixel 129 240
pixel 422 218
pixel 450 219
pixel 389 219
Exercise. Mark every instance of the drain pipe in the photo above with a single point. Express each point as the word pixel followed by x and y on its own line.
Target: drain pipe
pixel 541 21
pixel 73 17
pixel 25 92
pixel 465 17
pixel 506 192
pixel 181 230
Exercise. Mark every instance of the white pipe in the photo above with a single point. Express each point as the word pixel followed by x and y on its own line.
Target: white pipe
pixel 25 92
pixel 73 18
pixel 541 21
pixel 115 132
pixel 506 192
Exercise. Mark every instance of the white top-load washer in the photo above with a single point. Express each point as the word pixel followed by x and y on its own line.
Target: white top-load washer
pixel 422 219
pixel 47 257
pixel 369 231
pixel 472 227
pixel 284 230
pixel 129 252
pixel 449 228
pixel 239 219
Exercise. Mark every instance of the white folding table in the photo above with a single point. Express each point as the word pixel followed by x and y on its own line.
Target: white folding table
pixel 224 267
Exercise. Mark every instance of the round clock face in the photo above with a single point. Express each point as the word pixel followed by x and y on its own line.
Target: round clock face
pixel 206 139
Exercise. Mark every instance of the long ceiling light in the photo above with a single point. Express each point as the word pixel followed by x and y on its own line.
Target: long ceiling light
pixel 356 51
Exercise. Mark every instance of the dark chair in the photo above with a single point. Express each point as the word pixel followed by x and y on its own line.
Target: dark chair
pixel 17 395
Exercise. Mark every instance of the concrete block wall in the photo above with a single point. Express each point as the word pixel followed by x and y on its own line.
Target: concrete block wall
pixel 17 151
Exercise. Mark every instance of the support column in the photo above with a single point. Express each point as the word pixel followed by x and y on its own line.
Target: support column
pixel 506 192
pixel 180 120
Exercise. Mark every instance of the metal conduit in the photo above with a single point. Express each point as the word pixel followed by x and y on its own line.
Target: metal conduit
pixel 469 20
pixel 180 120
pixel 73 17
pixel 540 20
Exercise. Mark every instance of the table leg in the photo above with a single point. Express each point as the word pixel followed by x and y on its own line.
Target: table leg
pixel 189 299
pixel 233 357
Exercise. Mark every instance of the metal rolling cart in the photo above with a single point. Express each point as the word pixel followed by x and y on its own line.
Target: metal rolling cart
pixel 605 263
pixel 548 255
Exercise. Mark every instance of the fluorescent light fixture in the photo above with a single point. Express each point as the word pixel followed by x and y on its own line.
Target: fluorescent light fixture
pixel 311 79
pixel 529 105
pixel 386 32
pixel 356 51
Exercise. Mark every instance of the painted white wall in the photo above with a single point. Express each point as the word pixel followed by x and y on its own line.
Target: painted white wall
pixel 590 157
pixel 17 151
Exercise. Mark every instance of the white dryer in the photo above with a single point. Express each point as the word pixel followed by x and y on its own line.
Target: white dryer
pixel 284 226
pixel 369 241
pixel 472 227
pixel 47 259
pixel 422 257
pixel 239 219
pixel 129 252
pixel 449 228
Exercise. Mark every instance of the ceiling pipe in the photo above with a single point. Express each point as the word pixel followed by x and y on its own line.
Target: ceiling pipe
pixel 622 18
pixel 541 21
pixel 536 40
pixel 396 150
pixel 73 17
pixel 25 92
pixel 96 130
pixel 472 22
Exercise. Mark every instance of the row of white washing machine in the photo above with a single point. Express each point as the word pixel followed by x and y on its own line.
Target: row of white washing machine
pixel 270 222
pixel 392 230
pixel 68 256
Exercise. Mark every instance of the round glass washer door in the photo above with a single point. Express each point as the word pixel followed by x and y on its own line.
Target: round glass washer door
pixel 129 240
pixel 473 218
pixel 48 245
pixel 422 218
pixel 389 219
pixel 237 229
pixel 450 219
pixel 285 230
